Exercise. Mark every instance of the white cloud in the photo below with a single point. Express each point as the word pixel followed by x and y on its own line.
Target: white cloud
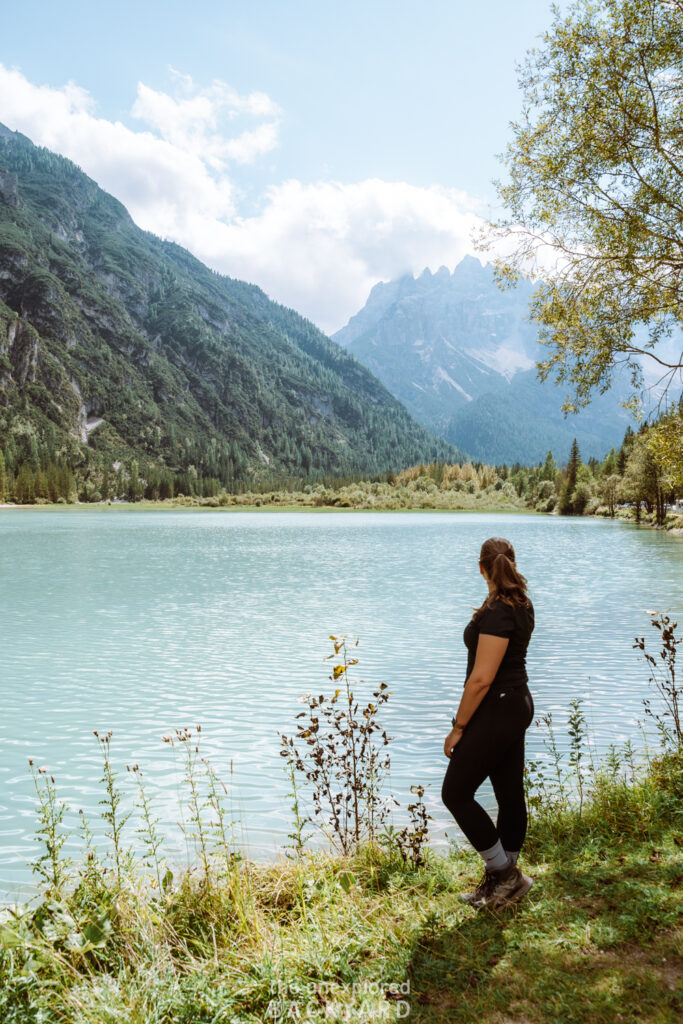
pixel 250 144
pixel 321 247
pixel 195 123
pixel 318 247
pixel 165 187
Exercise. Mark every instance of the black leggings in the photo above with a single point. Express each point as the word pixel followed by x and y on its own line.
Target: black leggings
pixel 492 746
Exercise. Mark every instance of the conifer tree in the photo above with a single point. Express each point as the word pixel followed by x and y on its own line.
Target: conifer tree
pixel 120 485
pixel 66 482
pixel 40 486
pixel 549 469
pixel 11 454
pixel 52 483
pixel 33 454
pixel 610 463
pixel 166 485
pixel 134 486
pixel 24 487
pixel 566 506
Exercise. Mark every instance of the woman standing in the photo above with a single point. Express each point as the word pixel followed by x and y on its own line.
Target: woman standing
pixel 487 739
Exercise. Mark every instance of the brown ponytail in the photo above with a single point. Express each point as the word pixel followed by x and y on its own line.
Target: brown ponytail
pixel 497 557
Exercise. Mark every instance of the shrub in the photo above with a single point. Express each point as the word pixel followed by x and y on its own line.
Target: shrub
pixel 343 762
pixel 580 498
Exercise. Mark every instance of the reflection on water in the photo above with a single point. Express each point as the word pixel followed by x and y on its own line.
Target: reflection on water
pixel 144 621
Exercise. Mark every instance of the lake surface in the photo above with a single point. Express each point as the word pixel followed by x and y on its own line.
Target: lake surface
pixel 146 621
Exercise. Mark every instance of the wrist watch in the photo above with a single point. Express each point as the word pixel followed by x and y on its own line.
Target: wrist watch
pixel 455 724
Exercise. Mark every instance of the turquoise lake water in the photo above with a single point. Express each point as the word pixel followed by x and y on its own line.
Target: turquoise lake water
pixel 146 621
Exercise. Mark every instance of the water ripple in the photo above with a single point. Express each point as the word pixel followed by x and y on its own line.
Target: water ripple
pixel 144 623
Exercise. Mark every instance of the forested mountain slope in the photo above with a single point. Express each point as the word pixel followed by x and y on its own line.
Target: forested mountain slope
pixel 115 344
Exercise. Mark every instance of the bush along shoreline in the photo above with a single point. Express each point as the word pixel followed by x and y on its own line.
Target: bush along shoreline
pixel 369 928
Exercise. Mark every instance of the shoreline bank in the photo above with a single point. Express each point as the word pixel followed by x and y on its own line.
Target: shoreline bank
pixel 152 506
pixel 374 936
pixel 175 506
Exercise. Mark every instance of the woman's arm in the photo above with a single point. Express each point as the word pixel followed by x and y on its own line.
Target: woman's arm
pixel 490 651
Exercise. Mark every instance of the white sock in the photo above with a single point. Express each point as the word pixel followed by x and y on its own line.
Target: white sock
pixel 495 857
pixel 513 855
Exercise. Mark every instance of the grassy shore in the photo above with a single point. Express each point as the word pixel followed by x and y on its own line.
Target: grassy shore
pixel 171 505
pixel 374 936
pixel 301 502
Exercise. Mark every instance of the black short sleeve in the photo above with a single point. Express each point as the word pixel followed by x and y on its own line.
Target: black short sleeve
pixel 497 620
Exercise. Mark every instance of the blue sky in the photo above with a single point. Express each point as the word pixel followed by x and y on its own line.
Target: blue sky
pixel 313 148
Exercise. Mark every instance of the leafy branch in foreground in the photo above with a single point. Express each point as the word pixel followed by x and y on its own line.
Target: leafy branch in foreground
pixel 595 191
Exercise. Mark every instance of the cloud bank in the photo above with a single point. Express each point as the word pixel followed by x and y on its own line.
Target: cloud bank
pixel 318 247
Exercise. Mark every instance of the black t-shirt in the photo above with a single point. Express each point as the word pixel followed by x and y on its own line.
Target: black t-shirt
pixel 501 619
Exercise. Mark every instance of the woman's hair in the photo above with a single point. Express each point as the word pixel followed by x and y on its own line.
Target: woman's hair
pixel 498 559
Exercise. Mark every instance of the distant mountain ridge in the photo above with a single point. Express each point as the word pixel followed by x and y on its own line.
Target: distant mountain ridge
pixel 115 344
pixel 460 354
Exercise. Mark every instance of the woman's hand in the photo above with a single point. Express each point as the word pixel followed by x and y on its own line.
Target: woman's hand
pixel 451 740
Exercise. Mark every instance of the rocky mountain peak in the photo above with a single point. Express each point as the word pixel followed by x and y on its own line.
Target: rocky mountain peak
pixel 459 353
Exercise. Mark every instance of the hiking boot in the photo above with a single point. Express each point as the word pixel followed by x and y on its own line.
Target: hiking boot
pixel 485 884
pixel 503 887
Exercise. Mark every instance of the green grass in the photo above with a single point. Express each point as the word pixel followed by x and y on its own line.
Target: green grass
pixel 598 938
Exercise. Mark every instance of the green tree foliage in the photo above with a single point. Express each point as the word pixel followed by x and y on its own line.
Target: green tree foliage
pixel 566 502
pixel 609 491
pixel 665 442
pixel 580 498
pixel 135 487
pixel 596 171
pixel 610 463
pixel 643 481
pixel 25 485
pixel 578 488
pixel 549 468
